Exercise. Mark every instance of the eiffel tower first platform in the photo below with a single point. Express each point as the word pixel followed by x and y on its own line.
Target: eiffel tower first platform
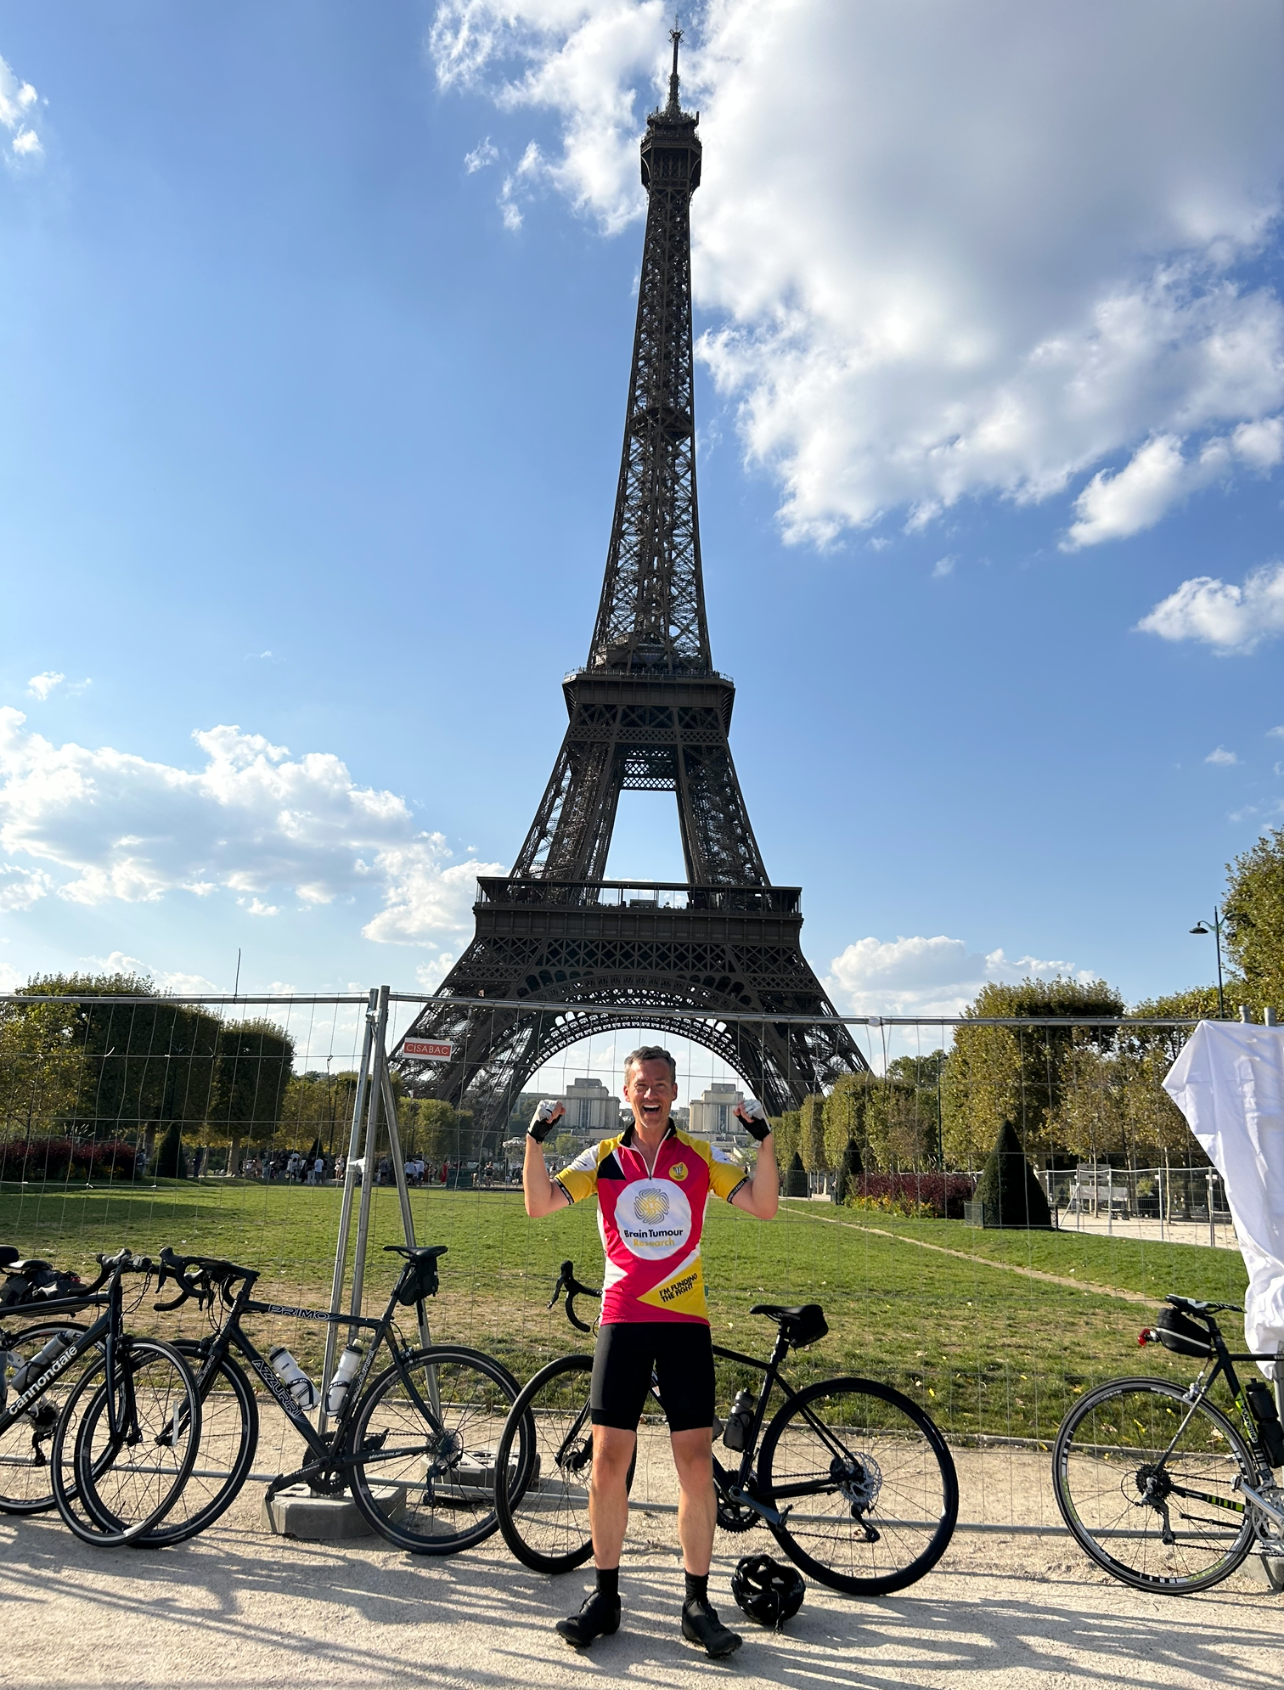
pixel 648 712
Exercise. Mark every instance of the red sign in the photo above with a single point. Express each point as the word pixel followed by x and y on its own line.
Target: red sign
pixel 426 1050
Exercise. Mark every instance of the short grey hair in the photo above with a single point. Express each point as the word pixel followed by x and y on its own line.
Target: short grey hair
pixel 651 1053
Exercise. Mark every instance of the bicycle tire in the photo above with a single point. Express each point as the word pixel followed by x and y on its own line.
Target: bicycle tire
pixel 443 1479
pixel 1109 1492
pixel 546 1527
pixel 123 1487
pixel 25 1485
pixel 228 1442
pixel 890 1456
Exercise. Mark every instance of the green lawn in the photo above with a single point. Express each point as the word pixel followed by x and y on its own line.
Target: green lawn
pixel 986 1349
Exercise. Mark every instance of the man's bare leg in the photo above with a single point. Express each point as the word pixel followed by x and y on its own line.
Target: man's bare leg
pixel 697 1517
pixel 599 1615
pixel 609 1492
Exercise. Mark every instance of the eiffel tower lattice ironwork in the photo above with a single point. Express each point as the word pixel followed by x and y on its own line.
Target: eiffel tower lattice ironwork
pixel 647 712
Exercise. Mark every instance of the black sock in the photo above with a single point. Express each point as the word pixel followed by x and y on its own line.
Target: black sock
pixel 697 1587
pixel 608 1581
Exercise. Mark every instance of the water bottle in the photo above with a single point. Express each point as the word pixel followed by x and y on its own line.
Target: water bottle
pixel 31 1371
pixel 735 1434
pixel 293 1377
pixel 341 1383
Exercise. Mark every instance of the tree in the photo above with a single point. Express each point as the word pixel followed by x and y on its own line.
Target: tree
pixel 252 1072
pixel 318 1106
pixel 845 1109
pixel 787 1131
pixel 796 1181
pixel 1008 1186
pixel 811 1135
pixel 849 1171
pixel 1253 908
pixel 170 1162
pixel 997 1074
pixel 42 1070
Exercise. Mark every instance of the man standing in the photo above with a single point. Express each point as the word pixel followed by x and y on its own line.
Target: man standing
pixel 652 1183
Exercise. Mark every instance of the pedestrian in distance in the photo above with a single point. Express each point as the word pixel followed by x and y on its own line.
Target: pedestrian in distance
pixel 652 1183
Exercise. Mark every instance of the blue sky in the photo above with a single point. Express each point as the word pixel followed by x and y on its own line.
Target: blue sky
pixel 315 323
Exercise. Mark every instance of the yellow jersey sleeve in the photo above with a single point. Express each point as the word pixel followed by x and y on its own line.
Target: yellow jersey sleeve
pixel 578 1179
pixel 725 1175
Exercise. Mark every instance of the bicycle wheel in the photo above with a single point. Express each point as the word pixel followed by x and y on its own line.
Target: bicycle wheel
pixel 126 1478
pixel 229 1439
pixel 427 1481
pixel 25 1485
pixel 544 1515
pixel 1146 1482
pixel 865 1483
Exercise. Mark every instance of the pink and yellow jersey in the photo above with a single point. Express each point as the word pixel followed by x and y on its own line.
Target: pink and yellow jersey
pixel 651 1222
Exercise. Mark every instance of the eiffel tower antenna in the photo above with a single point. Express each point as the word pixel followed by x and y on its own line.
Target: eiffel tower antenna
pixel 647 712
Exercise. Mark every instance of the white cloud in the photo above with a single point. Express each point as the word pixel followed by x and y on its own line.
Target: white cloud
pixel 483 154
pixel 942 567
pixel 40 686
pixel 957 251
pixel 920 976
pixel 1160 476
pixel 107 825
pixel 17 106
pixel 1223 756
pixel 20 888
pixel 183 985
pixel 1230 618
pixel 1275 733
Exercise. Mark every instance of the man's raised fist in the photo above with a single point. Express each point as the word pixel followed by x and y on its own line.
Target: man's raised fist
pixel 549 1111
pixel 753 1118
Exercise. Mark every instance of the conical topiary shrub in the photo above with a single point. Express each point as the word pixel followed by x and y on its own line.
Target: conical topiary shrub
pixel 1009 1187
pixel 796 1182
pixel 847 1182
pixel 170 1160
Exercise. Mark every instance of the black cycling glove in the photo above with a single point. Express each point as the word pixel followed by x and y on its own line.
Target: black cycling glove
pixel 546 1113
pixel 753 1117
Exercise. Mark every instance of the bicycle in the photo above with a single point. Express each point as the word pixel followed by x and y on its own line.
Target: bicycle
pixel 1157 1484
pixel 853 1480
pixel 412 1443
pixel 142 1443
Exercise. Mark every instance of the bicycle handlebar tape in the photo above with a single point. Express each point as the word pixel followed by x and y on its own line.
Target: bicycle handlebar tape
pixel 753 1117
pixel 546 1113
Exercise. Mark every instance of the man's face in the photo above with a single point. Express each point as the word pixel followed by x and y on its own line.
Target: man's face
pixel 650 1092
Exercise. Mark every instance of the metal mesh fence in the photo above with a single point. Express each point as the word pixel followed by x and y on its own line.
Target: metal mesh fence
pixel 222 1126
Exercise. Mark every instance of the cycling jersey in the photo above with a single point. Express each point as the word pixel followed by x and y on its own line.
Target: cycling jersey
pixel 651 1222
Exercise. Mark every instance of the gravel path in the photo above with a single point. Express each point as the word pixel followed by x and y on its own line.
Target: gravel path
pixel 239 1609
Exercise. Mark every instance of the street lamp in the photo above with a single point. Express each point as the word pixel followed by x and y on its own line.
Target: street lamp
pixel 1216 931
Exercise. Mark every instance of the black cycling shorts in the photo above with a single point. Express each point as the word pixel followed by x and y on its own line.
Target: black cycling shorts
pixel 681 1355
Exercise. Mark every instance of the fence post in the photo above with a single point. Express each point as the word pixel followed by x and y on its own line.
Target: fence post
pixel 345 1209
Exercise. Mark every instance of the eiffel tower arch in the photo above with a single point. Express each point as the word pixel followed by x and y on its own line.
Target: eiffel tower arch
pixel 647 712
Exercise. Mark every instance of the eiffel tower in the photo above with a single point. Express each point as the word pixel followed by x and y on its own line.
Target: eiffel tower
pixel 648 712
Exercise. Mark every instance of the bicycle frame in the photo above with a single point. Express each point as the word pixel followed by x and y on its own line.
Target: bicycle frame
pixel 1223 1363
pixel 109 1327
pixel 327 1447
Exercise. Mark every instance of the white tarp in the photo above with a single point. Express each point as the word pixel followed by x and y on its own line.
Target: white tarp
pixel 1229 1084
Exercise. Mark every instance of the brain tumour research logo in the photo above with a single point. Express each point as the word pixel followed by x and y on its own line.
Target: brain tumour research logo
pixel 653 1218
pixel 651 1205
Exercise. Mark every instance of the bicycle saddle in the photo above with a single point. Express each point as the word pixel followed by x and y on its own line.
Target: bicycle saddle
pixel 31 1265
pixel 804 1324
pixel 418 1252
pixel 1192 1305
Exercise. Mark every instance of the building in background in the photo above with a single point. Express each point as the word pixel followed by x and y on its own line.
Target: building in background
pixel 591 1110
pixel 712 1115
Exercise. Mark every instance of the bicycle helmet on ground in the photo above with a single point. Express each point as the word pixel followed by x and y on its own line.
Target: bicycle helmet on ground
pixel 766 1591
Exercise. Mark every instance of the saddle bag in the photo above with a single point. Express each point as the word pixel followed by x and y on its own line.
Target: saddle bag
pixel 38 1282
pixel 420 1280
pixel 808 1326
pixel 1179 1333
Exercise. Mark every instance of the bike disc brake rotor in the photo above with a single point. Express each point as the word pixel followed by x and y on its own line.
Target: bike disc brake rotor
pixel 859 1479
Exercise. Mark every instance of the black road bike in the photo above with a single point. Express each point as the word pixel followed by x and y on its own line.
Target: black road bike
pixel 413 1442
pixel 853 1480
pixel 131 1401
pixel 1159 1485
